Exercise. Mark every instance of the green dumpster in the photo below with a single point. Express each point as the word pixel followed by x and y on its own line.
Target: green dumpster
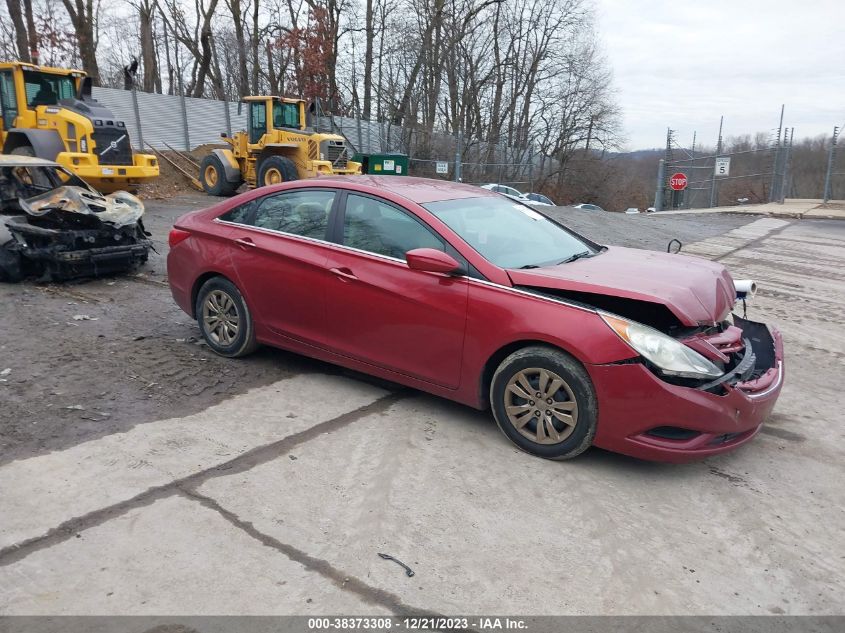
pixel 383 164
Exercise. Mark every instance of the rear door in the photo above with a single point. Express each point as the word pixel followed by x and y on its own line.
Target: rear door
pixel 381 311
pixel 279 253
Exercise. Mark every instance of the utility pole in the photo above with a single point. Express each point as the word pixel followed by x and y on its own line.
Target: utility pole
pixel 661 181
pixel 718 152
pixel 692 162
pixel 831 157
pixel 774 192
pixel 787 159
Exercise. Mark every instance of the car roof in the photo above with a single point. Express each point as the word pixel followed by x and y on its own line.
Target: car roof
pixel 419 190
pixel 13 160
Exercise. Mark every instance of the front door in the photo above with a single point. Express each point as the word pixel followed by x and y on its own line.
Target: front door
pixel 384 313
pixel 279 252
pixel 257 121
pixel 8 104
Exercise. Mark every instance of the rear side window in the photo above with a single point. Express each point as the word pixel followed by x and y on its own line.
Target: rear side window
pixel 304 213
pixel 378 227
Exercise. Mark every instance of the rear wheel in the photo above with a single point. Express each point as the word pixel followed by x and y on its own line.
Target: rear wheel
pixel 544 402
pixel 276 169
pixel 213 177
pixel 224 318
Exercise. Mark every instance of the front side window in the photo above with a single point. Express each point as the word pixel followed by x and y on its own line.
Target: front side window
pixel 377 227
pixel 44 89
pixel 285 115
pixel 304 213
pixel 257 121
pixel 509 234
pixel 8 101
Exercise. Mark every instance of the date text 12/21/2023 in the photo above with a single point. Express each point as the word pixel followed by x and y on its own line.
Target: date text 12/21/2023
pixel 422 623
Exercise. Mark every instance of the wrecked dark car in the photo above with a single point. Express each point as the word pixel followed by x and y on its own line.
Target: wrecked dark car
pixel 55 226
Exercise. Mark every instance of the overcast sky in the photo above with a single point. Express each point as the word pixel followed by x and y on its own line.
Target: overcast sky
pixel 683 63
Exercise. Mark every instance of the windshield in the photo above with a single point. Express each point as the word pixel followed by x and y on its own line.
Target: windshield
pixel 47 89
pixel 509 234
pixel 285 115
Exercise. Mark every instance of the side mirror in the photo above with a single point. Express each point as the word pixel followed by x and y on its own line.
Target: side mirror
pixel 431 260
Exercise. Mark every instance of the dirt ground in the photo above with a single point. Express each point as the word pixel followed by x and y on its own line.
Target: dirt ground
pixel 96 357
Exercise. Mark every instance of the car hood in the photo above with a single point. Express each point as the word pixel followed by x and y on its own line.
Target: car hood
pixel 118 209
pixel 697 291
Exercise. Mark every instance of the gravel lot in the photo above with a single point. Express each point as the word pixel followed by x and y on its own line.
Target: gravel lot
pixel 141 474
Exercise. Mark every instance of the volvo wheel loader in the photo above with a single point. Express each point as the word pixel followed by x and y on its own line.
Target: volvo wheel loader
pixel 49 113
pixel 276 147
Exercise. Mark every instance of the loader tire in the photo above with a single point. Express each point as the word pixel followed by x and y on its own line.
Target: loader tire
pixel 213 177
pixel 274 170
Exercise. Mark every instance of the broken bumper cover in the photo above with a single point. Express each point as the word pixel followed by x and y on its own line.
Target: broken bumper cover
pixel 643 416
pixel 91 262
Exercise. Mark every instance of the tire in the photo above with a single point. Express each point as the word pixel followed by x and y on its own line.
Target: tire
pixel 554 439
pixel 274 170
pixel 11 264
pixel 213 177
pixel 228 339
pixel 23 150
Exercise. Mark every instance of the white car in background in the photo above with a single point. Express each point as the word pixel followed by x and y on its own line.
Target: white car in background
pixel 538 199
pixel 587 207
pixel 632 210
pixel 510 192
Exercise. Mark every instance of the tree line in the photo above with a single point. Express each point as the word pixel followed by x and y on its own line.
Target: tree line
pixel 519 74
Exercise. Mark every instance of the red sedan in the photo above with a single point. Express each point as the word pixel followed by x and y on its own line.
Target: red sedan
pixel 469 295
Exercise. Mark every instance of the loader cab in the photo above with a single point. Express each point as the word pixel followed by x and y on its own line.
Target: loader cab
pixel 274 113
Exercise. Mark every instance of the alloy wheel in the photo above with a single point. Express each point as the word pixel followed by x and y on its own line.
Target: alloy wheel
pixel 541 405
pixel 220 317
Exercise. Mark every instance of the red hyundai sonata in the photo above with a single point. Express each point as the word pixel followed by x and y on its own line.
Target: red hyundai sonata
pixel 475 297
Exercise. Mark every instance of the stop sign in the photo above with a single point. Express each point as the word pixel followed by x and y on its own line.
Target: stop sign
pixel 678 181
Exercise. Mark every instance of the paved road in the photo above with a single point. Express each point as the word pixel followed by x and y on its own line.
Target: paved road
pixel 191 484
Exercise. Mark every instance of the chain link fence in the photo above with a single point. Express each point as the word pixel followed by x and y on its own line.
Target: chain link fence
pixel 765 170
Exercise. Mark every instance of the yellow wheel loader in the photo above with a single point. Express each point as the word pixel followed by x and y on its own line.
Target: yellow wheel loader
pixel 49 113
pixel 276 147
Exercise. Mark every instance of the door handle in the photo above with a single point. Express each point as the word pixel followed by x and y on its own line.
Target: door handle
pixel 344 273
pixel 245 241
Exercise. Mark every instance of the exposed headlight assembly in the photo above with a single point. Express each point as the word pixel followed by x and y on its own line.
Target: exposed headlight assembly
pixel 667 354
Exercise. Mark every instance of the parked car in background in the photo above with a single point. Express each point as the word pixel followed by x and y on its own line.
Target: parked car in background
pixel 587 207
pixel 540 200
pixel 632 210
pixel 510 192
pixel 453 290
pixel 650 210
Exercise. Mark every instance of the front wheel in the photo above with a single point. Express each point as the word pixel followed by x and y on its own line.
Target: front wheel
pixel 213 177
pixel 544 402
pixel 274 170
pixel 224 318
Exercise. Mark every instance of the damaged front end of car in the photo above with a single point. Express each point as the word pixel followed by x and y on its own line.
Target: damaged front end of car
pixel 73 231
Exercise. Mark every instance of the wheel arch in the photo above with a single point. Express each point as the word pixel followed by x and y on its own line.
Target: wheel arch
pixel 46 144
pixel 198 283
pixel 231 167
pixel 501 354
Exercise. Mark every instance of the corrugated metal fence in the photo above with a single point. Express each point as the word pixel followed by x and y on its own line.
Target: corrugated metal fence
pixel 185 123
pixel 160 120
